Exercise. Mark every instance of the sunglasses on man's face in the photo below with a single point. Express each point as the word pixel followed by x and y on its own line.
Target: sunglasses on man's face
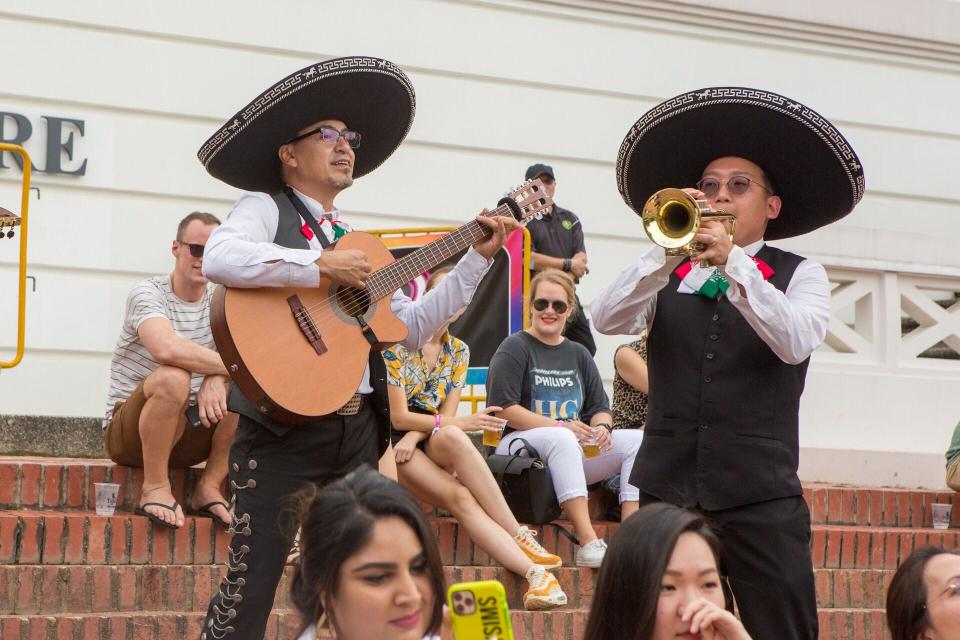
pixel 196 250
pixel 541 304
pixel 330 136
pixel 737 185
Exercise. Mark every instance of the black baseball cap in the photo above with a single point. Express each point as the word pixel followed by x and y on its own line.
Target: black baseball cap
pixel 537 170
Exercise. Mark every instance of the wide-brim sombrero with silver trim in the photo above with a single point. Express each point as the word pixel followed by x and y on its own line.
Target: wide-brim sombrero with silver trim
pixel 815 170
pixel 372 96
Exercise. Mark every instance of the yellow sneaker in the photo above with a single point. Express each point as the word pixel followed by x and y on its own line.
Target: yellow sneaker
pixel 527 540
pixel 545 592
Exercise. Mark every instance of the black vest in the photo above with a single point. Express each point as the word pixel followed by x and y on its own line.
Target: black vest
pixel 722 425
pixel 289 235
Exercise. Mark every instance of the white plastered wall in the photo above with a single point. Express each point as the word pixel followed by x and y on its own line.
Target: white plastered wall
pixel 500 84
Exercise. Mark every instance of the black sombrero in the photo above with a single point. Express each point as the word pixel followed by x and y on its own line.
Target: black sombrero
pixel 815 170
pixel 373 96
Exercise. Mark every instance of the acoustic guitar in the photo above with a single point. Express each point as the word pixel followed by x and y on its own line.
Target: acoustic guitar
pixel 300 353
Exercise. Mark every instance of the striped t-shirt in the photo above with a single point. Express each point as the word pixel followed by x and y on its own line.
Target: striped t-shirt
pixel 132 363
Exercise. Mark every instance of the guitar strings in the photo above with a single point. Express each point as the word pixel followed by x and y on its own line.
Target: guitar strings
pixel 415 262
pixel 321 314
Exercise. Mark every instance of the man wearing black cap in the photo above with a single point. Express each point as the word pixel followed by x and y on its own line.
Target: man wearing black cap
pixel 295 148
pixel 556 242
pixel 729 344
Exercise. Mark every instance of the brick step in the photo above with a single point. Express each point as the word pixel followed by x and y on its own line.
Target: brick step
pixel 56 589
pixel 167 625
pixel 527 625
pixel 876 507
pixel 56 537
pixel 853 624
pixel 852 588
pixel 68 483
pixel 852 547
pixel 28 482
pixel 77 537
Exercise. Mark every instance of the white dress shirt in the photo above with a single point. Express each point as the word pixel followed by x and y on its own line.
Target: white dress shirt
pixel 791 323
pixel 241 253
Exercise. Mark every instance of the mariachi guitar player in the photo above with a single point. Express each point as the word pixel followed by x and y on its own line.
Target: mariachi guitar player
pixel 295 147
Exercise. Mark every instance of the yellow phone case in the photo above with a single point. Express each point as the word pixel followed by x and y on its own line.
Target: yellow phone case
pixel 479 611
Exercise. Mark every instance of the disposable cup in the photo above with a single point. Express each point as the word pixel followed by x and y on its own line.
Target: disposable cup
pixel 941 516
pixel 491 437
pixel 106 497
pixel 590 448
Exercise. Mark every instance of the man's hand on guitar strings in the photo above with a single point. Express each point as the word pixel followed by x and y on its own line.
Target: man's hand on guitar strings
pixel 348 267
pixel 501 227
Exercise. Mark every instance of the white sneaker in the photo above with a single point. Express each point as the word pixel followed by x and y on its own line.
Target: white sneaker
pixel 545 592
pixel 591 554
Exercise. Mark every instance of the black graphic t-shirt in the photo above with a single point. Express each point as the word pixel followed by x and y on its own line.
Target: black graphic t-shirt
pixel 557 381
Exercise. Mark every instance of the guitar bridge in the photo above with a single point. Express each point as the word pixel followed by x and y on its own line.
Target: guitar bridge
pixel 306 324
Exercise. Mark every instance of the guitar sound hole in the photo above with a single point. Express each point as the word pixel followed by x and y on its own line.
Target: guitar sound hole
pixel 353 302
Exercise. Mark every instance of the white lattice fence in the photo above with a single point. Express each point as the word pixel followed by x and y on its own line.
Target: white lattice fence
pixel 893 319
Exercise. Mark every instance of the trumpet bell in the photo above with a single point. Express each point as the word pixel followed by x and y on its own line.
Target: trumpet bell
pixel 671 218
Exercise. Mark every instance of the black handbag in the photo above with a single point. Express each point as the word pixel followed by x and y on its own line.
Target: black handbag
pixel 526 483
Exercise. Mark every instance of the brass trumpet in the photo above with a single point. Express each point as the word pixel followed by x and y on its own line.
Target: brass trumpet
pixel 672 217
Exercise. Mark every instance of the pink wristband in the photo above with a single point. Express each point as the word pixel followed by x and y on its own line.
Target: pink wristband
pixel 436 421
pixel 559 423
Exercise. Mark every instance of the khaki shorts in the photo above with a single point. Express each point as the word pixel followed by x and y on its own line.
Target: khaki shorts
pixel 122 436
pixel 953 475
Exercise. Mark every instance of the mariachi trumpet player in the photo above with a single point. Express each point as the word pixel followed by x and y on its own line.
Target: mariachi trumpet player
pixel 731 329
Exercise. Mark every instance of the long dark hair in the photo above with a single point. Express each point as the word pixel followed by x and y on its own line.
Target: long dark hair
pixel 907 614
pixel 628 588
pixel 337 521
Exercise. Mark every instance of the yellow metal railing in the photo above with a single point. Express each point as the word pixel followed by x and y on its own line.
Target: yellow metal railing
pixel 22 279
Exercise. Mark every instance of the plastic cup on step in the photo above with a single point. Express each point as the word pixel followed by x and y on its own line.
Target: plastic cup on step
pixel 941 515
pixel 106 497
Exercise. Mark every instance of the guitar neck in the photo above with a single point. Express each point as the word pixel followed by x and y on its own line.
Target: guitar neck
pixel 385 281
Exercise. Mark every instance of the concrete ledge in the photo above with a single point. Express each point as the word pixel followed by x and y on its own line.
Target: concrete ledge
pixel 873 468
pixel 51 436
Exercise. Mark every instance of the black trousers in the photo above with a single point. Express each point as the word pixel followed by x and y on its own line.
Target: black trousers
pixel 765 551
pixel 578 330
pixel 265 471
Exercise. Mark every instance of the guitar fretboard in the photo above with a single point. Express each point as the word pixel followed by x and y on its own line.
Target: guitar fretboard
pixel 385 281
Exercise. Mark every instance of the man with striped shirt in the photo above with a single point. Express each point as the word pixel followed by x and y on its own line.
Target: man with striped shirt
pixel 165 361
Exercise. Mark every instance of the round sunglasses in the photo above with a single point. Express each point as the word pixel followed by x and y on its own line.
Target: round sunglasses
pixel 737 185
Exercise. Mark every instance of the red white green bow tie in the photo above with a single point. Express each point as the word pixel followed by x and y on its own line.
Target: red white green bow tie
pixel 710 282
pixel 340 229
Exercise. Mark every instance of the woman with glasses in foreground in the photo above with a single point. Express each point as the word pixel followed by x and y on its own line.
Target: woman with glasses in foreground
pixel 552 397
pixel 662 581
pixel 923 602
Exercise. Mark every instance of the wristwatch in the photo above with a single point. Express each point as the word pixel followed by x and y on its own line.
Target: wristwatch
pixel 567 264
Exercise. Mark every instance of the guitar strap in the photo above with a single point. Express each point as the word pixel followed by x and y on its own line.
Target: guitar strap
pixel 301 208
pixel 307 217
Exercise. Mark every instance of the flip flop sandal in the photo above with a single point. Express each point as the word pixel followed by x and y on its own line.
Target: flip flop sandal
pixel 140 511
pixel 205 512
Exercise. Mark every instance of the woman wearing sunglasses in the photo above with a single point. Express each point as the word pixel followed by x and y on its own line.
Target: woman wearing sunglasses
pixel 552 397
pixel 923 602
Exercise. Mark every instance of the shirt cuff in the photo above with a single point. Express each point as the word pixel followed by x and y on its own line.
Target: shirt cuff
pixel 740 270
